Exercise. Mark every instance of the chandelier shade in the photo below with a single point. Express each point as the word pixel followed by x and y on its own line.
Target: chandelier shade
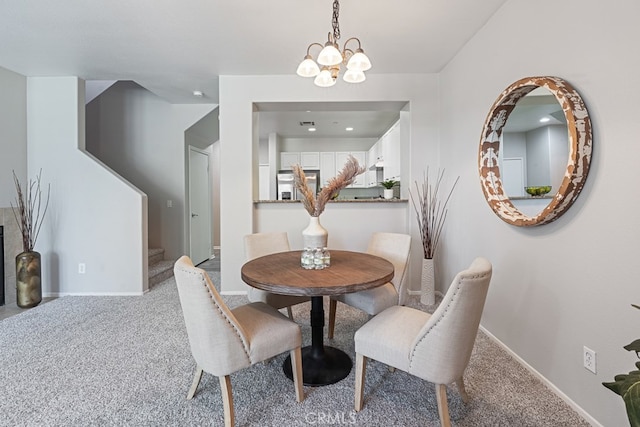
pixel 359 61
pixel 354 76
pixel 331 57
pixel 308 67
pixel 324 79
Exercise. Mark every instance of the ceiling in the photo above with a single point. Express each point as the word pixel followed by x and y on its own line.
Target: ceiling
pixel 173 48
pixel 330 119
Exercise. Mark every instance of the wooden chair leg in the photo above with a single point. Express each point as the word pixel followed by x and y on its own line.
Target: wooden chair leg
pixel 227 400
pixel 194 384
pixel 296 367
pixel 332 317
pixel 361 367
pixel 462 390
pixel 443 407
pixel 290 313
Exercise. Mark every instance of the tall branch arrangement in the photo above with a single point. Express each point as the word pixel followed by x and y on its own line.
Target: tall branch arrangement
pixel 29 210
pixel 431 211
pixel 315 204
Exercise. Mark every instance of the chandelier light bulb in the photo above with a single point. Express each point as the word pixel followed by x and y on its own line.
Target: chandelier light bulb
pixel 330 55
pixel 324 79
pixel 359 61
pixel 354 76
pixel 308 67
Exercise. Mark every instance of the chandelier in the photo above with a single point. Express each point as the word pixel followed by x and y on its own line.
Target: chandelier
pixel 331 57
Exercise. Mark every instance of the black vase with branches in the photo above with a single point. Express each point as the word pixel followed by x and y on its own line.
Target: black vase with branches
pixel 29 211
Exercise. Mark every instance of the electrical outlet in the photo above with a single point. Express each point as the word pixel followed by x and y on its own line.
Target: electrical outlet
pixel 169 203
pixel 589 359
pixel 81 268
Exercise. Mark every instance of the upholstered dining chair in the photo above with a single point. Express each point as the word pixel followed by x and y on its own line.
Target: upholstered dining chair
pixel 395 248
pixel 436 347
pixel 261 244
pixel 224 341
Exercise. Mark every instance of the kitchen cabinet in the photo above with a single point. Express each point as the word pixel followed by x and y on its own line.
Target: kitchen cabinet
pixel 288 159
pixel 361 157
pixel 306 159
pixel 327 167
pixel 391 153
pixel 310 160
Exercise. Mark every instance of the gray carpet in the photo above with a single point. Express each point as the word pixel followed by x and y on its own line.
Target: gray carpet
pixel 125 361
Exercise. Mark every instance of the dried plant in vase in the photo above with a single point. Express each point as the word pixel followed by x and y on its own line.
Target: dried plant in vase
pixel 29 213
pixel 315 204
pixel 431 213
pixel 315 236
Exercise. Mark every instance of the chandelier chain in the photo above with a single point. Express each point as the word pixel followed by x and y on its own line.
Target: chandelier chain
pixel 334 21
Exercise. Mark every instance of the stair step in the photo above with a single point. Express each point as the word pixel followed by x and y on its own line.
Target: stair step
pixel 155 255
pixel 160 271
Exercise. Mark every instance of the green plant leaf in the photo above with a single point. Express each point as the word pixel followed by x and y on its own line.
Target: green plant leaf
pixel 632 402
pixel 634 346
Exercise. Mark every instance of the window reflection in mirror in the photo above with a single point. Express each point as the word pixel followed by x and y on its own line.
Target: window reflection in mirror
pixel 534 147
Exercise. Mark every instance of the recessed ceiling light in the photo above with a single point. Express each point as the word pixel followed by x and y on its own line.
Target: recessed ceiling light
pixel 544 119
pixel 312 129
pixel 349 129
pixel 198 93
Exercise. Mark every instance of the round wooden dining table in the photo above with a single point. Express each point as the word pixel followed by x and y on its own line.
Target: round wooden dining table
pixel 281 273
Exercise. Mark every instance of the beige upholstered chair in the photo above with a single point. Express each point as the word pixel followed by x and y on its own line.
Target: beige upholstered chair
pixel 394 248
pixel 224 341
pixel 437 347
pixel 261 244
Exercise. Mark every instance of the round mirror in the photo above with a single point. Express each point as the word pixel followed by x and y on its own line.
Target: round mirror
pixel 532 171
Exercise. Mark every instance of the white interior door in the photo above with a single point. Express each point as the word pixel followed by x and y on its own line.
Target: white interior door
pixel 199 206
pixel 513 176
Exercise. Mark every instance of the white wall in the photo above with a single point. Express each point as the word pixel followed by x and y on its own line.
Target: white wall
pixel 350 225
pixel 94 218
pixel 13 133
pixel 239 146
pixel 142 138
pixel 561 286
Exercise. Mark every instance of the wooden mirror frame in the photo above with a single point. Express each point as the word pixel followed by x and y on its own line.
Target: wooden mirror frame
pixel 580 146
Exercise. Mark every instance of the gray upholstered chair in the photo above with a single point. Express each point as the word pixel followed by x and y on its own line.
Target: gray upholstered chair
pixel 395 248
pixel 261 244
pixel 437 347
pixel 224 341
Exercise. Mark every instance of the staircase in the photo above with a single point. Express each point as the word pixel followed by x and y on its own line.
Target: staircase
pixel 160 269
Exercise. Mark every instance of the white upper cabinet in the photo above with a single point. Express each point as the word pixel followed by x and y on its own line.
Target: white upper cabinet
pixel 288 159
pixel 307 159
pixel 391 153
pixel 310 160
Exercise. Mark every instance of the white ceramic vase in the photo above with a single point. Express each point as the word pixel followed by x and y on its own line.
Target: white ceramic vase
pixel 315 235
pixel 388 193
pixel 428 288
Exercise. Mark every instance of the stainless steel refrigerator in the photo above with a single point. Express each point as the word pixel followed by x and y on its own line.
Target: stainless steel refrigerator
pixel 285 186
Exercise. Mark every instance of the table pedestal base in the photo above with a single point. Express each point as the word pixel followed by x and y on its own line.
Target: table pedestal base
pixel 324 367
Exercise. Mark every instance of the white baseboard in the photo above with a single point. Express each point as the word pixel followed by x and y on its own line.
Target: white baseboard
pixel 588 418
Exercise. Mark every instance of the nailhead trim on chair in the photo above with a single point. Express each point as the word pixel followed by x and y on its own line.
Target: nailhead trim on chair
pixel 458 287
pixel 204 282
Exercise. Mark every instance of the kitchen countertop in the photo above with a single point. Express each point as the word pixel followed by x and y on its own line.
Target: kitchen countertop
pixel 376 200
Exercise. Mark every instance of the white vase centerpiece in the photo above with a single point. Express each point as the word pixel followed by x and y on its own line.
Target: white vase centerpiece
pixel 315 236
pixel 431 214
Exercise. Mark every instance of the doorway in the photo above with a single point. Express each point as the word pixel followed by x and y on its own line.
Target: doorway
pixel 200 248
